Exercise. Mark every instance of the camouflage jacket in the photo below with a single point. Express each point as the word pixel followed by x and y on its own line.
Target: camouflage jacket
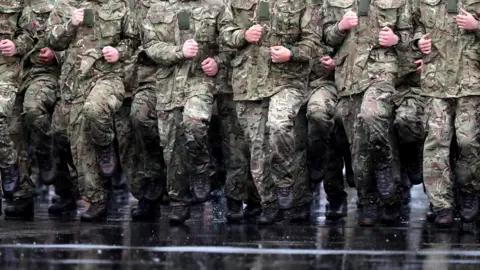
pixel 36 14
pixel 360 60
pixel 140 70
pixel 167 26
pixel 84 63
pixel 451 69
pixel 288 23
pixel 13 29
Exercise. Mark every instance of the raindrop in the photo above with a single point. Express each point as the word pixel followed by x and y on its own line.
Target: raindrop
pixel 99 251
pixel 156 260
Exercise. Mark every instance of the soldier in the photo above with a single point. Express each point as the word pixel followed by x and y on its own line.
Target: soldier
pixel 98 36
pixel 323 158
pixel 15 41
pixel 366 69
pixel 41 70
pixel 147 179
pixel 276 42
pixel 447 35
pixel 182 38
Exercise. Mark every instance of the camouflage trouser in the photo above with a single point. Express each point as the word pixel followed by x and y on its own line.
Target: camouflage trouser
pixel 410 127
pixel 18 134
pixel 127 153
pixel 322 155
pixel 40 98
pixel 91 124
pixel 139 143
pixel 368 120
pixel 446 119
pixel 66 184
pixel 270 131
pixel 239 184
pixel 196 119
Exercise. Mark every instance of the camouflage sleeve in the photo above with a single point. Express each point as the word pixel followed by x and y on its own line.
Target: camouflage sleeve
pixel 159 51
pixel 230 33
pixel 129 42
pixel 23 37
pixel 404 27
pixel 419 28
pixel 332 36
pixel 225 53
pixel 311 42
pixel 60 28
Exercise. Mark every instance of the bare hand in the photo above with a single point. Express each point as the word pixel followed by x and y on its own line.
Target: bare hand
pixel 46 56
pixel 210 66
pixel 7 47
pixel 254 33
pixel 110 54
pixel 190 48
pixel 280 54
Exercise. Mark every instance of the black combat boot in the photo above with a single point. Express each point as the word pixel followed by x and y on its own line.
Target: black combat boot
pixel 469 207
pixel 63 206
pixel 96 212
pixel 106 160
pixel 285 197
pixel 391 213
pixel 385 183
pixel 10 179
pixel 20 208
pixel 431 215
pixel 444 218
pixel 146 210
pixel 336 209
pixel 48 168
pixel 179 214
pixel 300 214
pixel 235 211
pixel 201 188
pixel 368 215
pixel 252 211
pixel 270 215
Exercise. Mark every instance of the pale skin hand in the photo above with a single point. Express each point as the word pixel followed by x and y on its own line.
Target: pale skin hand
pixel 466 21
pixel 210 66
pixel 279 54
pixel 425 44
pixel 327 64
pixel 254 33
pixel 190 48
pixel 349 21
pixel 46 56
pixel 387 38
pixel 77 17
pixel 7 47
pixel 110 54
pixel 420 65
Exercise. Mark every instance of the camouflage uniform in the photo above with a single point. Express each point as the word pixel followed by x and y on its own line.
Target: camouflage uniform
pixel 40 84
pixel 184 93
pixel 269 96
pixel 450 78
pixel 365 76
pixel 144 156
pixel 92 87
pixel 13 142
pixel 239 184
pixel 409 118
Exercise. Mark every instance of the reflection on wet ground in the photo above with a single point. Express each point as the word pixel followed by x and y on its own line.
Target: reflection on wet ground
pixel 206 242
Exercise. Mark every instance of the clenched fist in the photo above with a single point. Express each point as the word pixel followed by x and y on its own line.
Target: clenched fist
pixel 425 44
pixel 280 54
pixel 420 65
pixel 254 33
pixel 46 56
pixel 190 48
pixel 77 16
pixel 349 21
pixel 210 66
pixel 110 54
pixel 7 47
pixel 327 64
pixel 387 38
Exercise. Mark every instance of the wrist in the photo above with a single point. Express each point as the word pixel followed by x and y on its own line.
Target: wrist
pixel 340 27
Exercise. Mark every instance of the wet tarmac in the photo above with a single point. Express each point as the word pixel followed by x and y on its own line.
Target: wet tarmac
pixel 207 242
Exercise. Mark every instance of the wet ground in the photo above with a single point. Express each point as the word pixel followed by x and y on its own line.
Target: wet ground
pixel 206 242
